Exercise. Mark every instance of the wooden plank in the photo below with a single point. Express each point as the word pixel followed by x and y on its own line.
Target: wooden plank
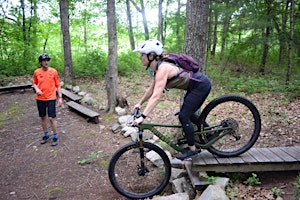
pixel 208 158
pixel 82 109
pixel 258 156
pixel 283 155
pixel 86 111
pixel 223 160
pixel 248 167
pixel 292 151
pixel 236 160
pixel 70 95
pixel 15 87
pixel 194 176
pixel 199 160
pixel 247 157
pixel 268 153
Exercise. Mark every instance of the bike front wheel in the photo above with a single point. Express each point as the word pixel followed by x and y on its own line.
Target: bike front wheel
pixel 237 118
pixel 137 176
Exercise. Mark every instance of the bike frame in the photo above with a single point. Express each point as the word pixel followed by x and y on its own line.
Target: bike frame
pixel 151 127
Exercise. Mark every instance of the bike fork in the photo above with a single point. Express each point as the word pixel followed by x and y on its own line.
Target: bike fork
pixel 142 169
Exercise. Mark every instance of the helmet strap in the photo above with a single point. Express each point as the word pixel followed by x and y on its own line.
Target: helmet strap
pixel 150 61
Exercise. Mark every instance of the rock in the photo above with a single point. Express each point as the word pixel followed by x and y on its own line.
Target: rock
pixel 81 93
pixel 177 196
pixel 213 192
pixel 124 119
pixel 76 89
pixel 120 111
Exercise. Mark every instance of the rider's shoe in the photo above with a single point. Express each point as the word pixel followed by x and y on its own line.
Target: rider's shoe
pixel 187 153
pixel 54 142
pixel 44 139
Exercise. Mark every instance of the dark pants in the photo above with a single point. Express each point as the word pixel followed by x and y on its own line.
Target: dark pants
pixel 193 100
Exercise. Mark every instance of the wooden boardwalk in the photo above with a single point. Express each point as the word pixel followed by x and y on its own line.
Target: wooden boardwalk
pixel 254 160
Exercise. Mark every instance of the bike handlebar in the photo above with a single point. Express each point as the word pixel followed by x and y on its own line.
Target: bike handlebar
pixel 136 113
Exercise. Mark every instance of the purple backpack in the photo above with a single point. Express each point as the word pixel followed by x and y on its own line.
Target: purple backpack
pixel 185 62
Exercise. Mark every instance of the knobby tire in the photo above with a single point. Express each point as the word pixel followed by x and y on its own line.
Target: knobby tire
pixel 124 171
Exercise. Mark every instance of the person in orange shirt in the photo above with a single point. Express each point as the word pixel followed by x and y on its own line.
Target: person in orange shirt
pixel 46 83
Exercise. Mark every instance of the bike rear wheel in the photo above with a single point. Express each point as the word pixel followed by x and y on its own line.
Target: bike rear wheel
pixel 138 178
pixel 241 119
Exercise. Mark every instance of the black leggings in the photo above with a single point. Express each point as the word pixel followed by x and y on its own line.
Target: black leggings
pixel 193 100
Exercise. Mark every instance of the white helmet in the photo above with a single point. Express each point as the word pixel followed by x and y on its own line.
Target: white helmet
pixel 150 46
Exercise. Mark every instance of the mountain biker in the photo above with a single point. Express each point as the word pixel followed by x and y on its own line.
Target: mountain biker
pixel 165 76
pixel 46 83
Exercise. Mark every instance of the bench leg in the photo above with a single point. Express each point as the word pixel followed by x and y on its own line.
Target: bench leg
pixel 96 120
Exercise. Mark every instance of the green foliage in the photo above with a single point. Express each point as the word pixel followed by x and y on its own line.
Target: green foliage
pixel 12 112
pixel 232 192
pixel 235 176
pixel 252 180
pixel 297 186
pixel 55 190
pixel 210 179
pixel 276 191
pixel 89 158
pixel 90 64
pixel 230 81
pixel 129 64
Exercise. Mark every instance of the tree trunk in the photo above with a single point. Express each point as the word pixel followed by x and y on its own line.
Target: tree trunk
pixel 160 21
pixel 112 67
pixel 196 28
pixel 64 18
pixel 178 25
pixel 266 39
pixel 225 29
pixel 215 38
pixel 128 13
pixel 142 11
pixel 288 74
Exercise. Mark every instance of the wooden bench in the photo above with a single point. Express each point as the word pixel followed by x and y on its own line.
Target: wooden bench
pixel 70 95
pixel 93 116
pixel 15 87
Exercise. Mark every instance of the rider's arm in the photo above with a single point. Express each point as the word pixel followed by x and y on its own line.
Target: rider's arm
pixel 148 93
pixel 158 87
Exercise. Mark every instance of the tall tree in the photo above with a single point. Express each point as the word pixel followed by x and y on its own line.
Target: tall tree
pixel 266 37
pixel 64 21
pixel 112 67
pixel 128 13
pixel 288 74
pixel 160 21
pixel 196 28
pixel 142 10
pixel 226 22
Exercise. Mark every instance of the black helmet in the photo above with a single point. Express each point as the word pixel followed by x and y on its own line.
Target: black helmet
pixel 44 56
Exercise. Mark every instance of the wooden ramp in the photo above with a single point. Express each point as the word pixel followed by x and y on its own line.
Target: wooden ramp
pixel 254 160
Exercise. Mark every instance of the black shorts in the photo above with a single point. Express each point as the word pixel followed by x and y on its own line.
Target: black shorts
pixel 44 106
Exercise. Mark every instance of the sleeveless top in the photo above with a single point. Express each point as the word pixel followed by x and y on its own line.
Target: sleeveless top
pixel 178 82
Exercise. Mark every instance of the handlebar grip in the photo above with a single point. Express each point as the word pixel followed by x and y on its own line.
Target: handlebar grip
pixel 136 112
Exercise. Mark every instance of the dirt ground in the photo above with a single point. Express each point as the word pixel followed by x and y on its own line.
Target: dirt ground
pixel 30 170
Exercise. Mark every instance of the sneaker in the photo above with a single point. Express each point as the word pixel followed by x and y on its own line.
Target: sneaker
pixel 186 153
pixel 44 139
pixel 54 142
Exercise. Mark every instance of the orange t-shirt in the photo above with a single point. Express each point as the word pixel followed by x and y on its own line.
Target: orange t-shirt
pixel 47 82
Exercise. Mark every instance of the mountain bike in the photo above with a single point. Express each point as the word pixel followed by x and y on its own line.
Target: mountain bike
pixel 229 126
